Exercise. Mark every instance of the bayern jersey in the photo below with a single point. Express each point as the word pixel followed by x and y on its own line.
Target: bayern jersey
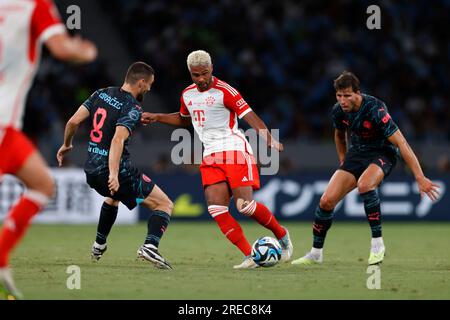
pixel 24 26
pixel 214 114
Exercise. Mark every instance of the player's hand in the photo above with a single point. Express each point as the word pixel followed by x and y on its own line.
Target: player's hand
pixel 148 117
pixel 87 49
pixel 426 186
pixel 277 145
pixel 62 152
pixel 113 184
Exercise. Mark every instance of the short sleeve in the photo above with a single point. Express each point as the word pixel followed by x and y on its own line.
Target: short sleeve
pixel 45 21
pixel 184 112
pixel 384 121
pixel 233 100
pixel 130 117
pixel 90 101
pixel 338 119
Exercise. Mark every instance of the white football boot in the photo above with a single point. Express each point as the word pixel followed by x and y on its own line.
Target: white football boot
pixel 248 263
pixel 287 246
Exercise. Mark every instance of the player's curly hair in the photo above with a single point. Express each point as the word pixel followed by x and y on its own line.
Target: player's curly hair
pixel 346 80
pixel 198 58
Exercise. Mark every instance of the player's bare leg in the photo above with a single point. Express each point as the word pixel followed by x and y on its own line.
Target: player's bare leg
pixel 39 184
pixel 162 208
pixel 108 215
pixel 218 194
pixel 218 199
pixel 341 183
pixel 261 214
pixel 367 188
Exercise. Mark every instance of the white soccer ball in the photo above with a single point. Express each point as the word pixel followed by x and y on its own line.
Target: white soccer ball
pixel 266 252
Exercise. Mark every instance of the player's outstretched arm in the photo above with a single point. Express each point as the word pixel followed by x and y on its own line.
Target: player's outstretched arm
pixel 173 119
pixel 71 49
pixel 426 186
pixel 340 139
pixel 71 128
pixel 256 123
pixel 115 153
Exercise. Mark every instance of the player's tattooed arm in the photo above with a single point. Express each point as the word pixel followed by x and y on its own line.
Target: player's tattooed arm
pixel 174 119
pixel 256 123
pixel 425 185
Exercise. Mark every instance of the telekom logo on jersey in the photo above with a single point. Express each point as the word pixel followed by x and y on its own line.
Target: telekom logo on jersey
pixel 199 117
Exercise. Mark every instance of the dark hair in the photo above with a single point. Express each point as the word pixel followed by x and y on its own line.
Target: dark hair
pixel 138 70
pixel 346 80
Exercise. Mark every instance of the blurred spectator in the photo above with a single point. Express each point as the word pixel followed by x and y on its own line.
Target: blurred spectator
pixel 163 165
pixel 281 55
pixel 284 55
pixel 443 164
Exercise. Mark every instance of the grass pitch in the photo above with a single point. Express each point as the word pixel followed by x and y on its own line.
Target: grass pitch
pixel 417 265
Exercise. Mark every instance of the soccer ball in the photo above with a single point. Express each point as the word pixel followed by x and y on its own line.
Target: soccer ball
pixel 266 252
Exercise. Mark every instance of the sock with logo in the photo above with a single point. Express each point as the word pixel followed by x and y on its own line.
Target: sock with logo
pixel 156 226
pixel 230 228
pixel 322 222
pixel 372 209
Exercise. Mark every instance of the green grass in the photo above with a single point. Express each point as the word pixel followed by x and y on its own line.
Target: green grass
pixel 417 265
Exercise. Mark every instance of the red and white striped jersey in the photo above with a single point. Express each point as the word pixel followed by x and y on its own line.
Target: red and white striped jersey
pixel 24 26
pixel 214 114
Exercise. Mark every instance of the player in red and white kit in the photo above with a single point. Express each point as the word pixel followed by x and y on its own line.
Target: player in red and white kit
pixel 24 26
pixel 228 167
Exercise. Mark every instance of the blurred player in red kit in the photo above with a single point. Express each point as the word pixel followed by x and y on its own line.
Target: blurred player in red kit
pixel 24 26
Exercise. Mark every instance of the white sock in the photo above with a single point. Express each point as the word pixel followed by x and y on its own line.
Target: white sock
pixel 316 252
pixel 377 244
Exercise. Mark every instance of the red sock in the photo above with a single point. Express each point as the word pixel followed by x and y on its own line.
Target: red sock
pixel 230 228
pixel 264 217
pixel 15 225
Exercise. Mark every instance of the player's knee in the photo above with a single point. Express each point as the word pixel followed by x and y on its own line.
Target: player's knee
pixel 169 206
pixel 246 207
pixel 112 202
pixel 241 204
pixel 46 187
pixel 364 187
pixel 327 203
pixel 165 205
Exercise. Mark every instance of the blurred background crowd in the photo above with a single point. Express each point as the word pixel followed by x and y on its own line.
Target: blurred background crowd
pixel 281 55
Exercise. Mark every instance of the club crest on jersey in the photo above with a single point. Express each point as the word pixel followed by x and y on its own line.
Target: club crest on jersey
pixel 134 115
pixel 367 124
pixel 210 101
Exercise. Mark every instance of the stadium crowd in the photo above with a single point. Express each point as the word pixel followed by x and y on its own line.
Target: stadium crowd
pixel 282 56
